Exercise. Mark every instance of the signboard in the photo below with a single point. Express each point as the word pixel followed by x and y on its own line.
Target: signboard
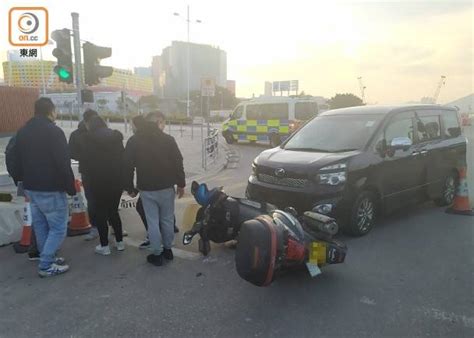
pixel 294 85
pixel 285 86
pixel 208 86
pixel 276 86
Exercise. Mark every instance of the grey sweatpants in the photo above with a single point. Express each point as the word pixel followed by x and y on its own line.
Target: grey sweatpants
pixel 159 211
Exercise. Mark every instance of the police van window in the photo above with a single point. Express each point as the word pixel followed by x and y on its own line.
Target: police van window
pixel 237 114
pixel 428 128
pixel 451 124
pixel 274 111
pixel 305 110
pixel 402 127
pixel 253 111
pixel 265 112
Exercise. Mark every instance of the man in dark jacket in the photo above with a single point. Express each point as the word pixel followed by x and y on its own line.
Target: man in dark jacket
pixel 45 166
pixel 159 165
pixel 76 148
pixel 102 164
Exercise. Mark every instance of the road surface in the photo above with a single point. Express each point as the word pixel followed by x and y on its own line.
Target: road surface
pixel 411 276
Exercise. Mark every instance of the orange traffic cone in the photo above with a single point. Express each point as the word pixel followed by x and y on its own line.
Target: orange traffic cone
pixel 25 241
pixel 461 204
pixel 79 224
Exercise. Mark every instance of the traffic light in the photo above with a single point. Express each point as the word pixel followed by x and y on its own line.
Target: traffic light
pixel 93 71
pixel 64 55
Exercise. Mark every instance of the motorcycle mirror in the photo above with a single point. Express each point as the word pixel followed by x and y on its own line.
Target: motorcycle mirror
pixel 194 187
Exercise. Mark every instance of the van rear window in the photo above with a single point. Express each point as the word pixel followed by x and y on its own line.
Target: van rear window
pixel 451 124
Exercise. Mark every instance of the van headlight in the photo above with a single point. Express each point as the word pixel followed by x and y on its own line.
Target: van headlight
pixel 333 174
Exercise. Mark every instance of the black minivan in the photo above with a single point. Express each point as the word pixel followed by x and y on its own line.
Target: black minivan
pixel 355 163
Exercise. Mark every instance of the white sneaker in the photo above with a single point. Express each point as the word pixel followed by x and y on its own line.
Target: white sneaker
pixel 53 270
pixel 102 250
pixel 93 234
pixel 120 246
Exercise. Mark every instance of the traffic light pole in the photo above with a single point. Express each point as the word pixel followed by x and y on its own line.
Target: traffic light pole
pixel 78 61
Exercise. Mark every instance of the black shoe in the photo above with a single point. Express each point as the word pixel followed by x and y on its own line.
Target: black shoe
pixel 168 254
pixel 34 256
pixel 176 229
pixel 144 245
pixel 156 260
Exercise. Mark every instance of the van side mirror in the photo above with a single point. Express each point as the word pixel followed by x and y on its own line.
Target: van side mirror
pixel 401 143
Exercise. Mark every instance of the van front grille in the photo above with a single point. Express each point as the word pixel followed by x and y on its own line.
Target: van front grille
pixel 284 181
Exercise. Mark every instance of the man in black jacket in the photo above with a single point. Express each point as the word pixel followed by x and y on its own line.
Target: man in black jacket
pixel 76 148
pixel 159 165
pixel 45 168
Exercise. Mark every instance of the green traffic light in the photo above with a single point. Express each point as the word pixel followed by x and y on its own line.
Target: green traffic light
pixel 64 74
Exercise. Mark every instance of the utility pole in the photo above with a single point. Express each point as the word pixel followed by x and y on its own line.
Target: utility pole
pixel 78 61
pixel 188 68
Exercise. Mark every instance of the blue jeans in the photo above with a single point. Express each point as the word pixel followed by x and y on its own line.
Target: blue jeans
pixel 50 214
pixel 159 212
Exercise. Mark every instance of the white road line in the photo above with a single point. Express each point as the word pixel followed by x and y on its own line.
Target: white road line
pixel 368 301
pixel 183 254
pixel 448 316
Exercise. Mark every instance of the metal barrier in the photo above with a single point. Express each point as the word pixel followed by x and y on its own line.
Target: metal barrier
pixel 210 148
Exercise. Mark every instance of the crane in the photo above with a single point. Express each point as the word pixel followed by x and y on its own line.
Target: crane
pixel 441 83
pixel 362 89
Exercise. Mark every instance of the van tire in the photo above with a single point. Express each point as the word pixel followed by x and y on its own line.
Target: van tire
pixel 450 184
pixel 363 215
pixel 228 137
pixel 275 140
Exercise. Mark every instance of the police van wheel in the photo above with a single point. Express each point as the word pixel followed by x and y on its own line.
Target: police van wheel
pixel 228 138
pixel 275 140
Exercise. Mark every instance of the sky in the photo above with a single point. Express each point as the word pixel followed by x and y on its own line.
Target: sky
pixel 399 48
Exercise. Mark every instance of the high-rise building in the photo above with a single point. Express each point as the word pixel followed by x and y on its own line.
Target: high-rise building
pixel 170 68
pixel 268 89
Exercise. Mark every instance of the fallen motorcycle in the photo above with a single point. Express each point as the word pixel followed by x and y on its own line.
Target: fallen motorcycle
pixel 269 241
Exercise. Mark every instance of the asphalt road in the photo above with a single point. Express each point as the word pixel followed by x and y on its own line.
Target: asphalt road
pixel 411 276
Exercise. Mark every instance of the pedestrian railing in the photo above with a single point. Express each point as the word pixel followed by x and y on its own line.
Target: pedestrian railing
pixel 210 148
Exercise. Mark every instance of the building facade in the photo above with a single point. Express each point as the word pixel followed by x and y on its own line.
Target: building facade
pixel 41 75
pixel 169 69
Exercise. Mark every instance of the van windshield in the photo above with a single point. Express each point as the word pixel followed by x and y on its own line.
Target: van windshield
pixel 335 133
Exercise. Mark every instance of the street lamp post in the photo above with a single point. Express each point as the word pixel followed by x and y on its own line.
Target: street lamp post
pixel 188 66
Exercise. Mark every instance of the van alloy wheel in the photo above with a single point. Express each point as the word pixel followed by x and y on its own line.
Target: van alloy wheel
pixel 365 214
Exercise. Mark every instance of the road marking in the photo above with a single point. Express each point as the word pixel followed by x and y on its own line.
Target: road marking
pixel 183 254
pixel 449 316
pixel 368 301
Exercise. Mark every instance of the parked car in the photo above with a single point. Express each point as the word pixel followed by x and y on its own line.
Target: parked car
pixel 356 163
